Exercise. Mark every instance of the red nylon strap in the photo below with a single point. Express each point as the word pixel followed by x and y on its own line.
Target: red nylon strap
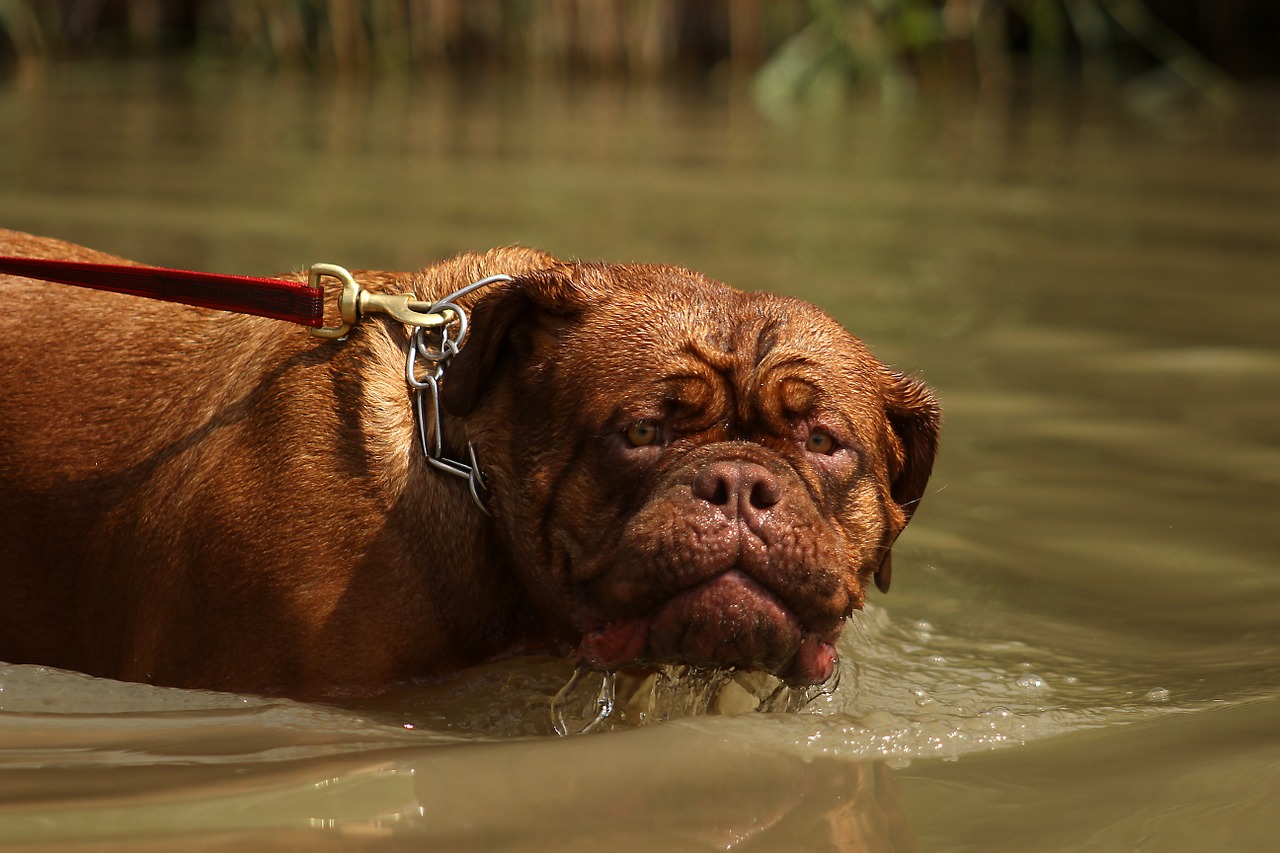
pixel 294 301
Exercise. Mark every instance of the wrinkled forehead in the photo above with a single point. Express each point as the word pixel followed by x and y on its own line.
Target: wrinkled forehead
pixel 689 330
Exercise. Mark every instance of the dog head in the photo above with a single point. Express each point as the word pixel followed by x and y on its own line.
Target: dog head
pixel 685 473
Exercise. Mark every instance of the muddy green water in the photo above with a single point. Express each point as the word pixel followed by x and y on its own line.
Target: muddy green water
pixel 1082 647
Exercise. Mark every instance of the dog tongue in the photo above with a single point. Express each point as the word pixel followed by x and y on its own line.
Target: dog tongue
pixel 615 644
pixel 814 662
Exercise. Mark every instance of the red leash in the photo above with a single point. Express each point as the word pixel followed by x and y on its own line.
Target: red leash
pixel 294 301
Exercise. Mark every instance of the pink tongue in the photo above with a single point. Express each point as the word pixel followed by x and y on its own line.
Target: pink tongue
pixel 618 643
pixel 814 662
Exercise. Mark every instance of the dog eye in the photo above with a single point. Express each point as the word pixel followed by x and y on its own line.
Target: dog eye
pixel 642 433
pixel 820 441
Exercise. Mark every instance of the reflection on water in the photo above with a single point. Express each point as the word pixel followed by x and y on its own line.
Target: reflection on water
pixel 199 763
pixel 1081 649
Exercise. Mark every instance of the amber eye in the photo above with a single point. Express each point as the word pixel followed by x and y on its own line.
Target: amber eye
pixel 642 433
pixel 820 441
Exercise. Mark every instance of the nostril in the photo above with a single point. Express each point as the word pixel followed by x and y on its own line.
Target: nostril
pixel 765 491
pixel 715 484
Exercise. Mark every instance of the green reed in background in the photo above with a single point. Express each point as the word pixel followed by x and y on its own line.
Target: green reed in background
pixel 796 49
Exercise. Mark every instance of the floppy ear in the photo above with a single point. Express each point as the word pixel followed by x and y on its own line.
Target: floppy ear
pixel 550 291
pixel 914 416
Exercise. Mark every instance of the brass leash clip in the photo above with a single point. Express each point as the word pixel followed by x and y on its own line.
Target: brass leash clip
pixel 354 302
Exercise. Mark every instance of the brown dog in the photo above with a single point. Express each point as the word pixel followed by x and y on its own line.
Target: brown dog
pixel 677 472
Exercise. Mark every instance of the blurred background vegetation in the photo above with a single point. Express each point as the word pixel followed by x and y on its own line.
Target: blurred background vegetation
pixel 786 49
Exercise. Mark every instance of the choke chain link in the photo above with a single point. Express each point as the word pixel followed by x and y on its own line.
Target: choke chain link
pixel 432 349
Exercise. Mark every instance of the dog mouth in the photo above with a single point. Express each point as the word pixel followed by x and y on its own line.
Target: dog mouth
pixel 729 621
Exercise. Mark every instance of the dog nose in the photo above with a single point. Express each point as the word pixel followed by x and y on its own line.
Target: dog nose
pixel 739 489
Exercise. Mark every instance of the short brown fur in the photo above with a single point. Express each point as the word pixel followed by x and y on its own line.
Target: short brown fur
pixel 200 499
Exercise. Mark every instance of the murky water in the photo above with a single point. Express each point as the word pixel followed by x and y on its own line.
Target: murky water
pixel 1082 647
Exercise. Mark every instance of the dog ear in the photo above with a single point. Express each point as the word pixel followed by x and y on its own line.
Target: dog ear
pixel 549 292
pixel 914 417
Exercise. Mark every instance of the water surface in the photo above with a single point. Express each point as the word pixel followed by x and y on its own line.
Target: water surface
pixel 1082 646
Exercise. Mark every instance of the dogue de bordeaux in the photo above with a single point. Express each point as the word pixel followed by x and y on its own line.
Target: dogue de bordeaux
pixel 676 472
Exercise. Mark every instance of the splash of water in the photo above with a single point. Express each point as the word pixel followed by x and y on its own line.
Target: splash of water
pixel 599 701
pixel 575 711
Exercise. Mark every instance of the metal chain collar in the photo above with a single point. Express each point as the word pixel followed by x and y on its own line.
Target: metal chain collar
pixel 434 347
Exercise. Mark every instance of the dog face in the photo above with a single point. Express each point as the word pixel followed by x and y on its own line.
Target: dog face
pixel 684 473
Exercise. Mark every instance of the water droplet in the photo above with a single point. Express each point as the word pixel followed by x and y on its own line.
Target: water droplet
pixel 1030 681
pixel 1158 694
